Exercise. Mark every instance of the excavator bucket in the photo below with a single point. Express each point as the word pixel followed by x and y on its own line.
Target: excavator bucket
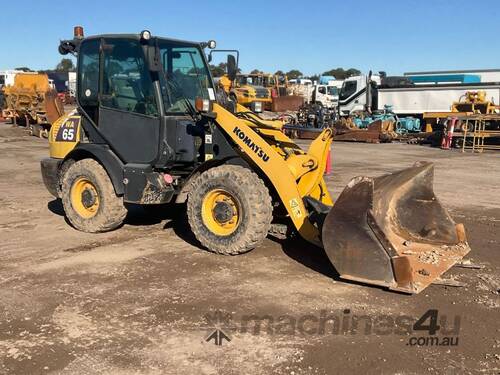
pixel 392 231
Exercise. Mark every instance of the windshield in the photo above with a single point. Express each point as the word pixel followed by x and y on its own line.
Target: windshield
pixel 255 80
pixel 243 80
pixel 332 90
pixel 185 77
pixel 248 80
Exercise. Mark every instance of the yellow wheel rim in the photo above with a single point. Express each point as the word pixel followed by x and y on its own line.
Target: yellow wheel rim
pixel 220 212
pixel 84 198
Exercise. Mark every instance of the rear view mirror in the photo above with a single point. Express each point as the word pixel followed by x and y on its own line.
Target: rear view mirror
pixel 231 67
pixel 153 57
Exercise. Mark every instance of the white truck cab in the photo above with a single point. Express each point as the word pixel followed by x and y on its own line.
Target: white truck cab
pixel 300 81
pixel 327 95
pixel 352 96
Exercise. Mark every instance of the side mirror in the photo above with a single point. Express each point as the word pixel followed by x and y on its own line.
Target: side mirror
pixel 231 67
pixel 154 62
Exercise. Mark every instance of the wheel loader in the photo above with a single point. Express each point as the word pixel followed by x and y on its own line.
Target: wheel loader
pixel 150 129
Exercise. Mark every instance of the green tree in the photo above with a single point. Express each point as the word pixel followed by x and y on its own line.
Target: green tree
pixel 314 77
pixel 218 70
pixel 256 71
pixel 24 69
pixel 340 73
pixel 65 65
pixel 294 74
pixel 279 73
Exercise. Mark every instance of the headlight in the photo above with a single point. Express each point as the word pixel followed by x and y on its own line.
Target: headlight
pixel 256 107
pixel 202 105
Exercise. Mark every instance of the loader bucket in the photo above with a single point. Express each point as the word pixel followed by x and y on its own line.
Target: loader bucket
pixel 392 231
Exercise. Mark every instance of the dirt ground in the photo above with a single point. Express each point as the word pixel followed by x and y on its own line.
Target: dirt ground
pixel 145 298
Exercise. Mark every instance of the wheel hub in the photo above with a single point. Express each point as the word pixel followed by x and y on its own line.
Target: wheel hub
pixel 223 212
pixel 84 198
pixel 88 198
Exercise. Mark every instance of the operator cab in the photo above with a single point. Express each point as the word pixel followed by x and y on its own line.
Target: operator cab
pixel 145 88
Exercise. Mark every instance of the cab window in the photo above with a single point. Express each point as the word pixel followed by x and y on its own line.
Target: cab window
pixel 348 89
pixel 88 77
pixel 186 75
pixel 332 90
pixel 126 82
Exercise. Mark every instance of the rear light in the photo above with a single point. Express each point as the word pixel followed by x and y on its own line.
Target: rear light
pixel 202 105
pixel 168 178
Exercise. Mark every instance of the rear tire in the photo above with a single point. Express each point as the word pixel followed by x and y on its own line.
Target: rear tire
pixel 229 210
pixel 89 199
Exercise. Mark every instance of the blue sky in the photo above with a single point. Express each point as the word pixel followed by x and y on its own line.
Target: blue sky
pixel 312 36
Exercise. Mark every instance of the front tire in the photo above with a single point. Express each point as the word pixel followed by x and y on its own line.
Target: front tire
pixel 229 209
pixel 89 199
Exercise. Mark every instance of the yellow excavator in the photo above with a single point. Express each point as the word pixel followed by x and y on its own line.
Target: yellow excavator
pixel 151 129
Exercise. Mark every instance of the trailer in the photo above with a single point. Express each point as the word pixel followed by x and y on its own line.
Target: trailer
pixel 406 97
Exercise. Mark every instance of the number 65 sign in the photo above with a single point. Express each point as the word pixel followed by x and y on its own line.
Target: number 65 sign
pixel 68 130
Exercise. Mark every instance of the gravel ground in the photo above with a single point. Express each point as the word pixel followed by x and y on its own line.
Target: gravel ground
pixel 144 298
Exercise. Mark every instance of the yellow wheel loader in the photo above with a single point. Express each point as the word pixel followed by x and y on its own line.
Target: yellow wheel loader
pixel 150 129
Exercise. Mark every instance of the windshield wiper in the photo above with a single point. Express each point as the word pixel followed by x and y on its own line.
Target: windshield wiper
pixel 174 86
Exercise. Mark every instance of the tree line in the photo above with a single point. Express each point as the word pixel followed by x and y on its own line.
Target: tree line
pixel 338 73
pixel 65 65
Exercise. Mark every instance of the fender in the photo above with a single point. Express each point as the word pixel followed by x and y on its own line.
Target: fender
pixel 107 158
pixel 234 160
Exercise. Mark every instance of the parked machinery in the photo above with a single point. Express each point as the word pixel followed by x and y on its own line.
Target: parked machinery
pixel 475 102
pixel 31 101
pixel 248 89
pixel 402 125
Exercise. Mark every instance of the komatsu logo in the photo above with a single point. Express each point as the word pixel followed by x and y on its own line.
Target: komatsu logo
pixel 255 148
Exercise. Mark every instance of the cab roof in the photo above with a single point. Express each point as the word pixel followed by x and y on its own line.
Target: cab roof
pixel 138 37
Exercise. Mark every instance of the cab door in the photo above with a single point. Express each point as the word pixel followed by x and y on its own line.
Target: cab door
pixel 128 111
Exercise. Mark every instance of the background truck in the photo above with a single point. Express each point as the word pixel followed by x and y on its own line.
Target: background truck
pixel 406 97
pixel 327 94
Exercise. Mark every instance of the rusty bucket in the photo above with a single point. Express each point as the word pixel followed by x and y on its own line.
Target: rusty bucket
pixel 392 231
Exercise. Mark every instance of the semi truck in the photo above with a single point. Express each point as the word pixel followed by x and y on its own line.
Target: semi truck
pixel 406 97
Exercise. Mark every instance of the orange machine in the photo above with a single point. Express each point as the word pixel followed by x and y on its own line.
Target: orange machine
pixel 31 101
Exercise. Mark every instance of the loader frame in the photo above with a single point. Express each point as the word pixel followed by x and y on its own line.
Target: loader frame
pixel 364 234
